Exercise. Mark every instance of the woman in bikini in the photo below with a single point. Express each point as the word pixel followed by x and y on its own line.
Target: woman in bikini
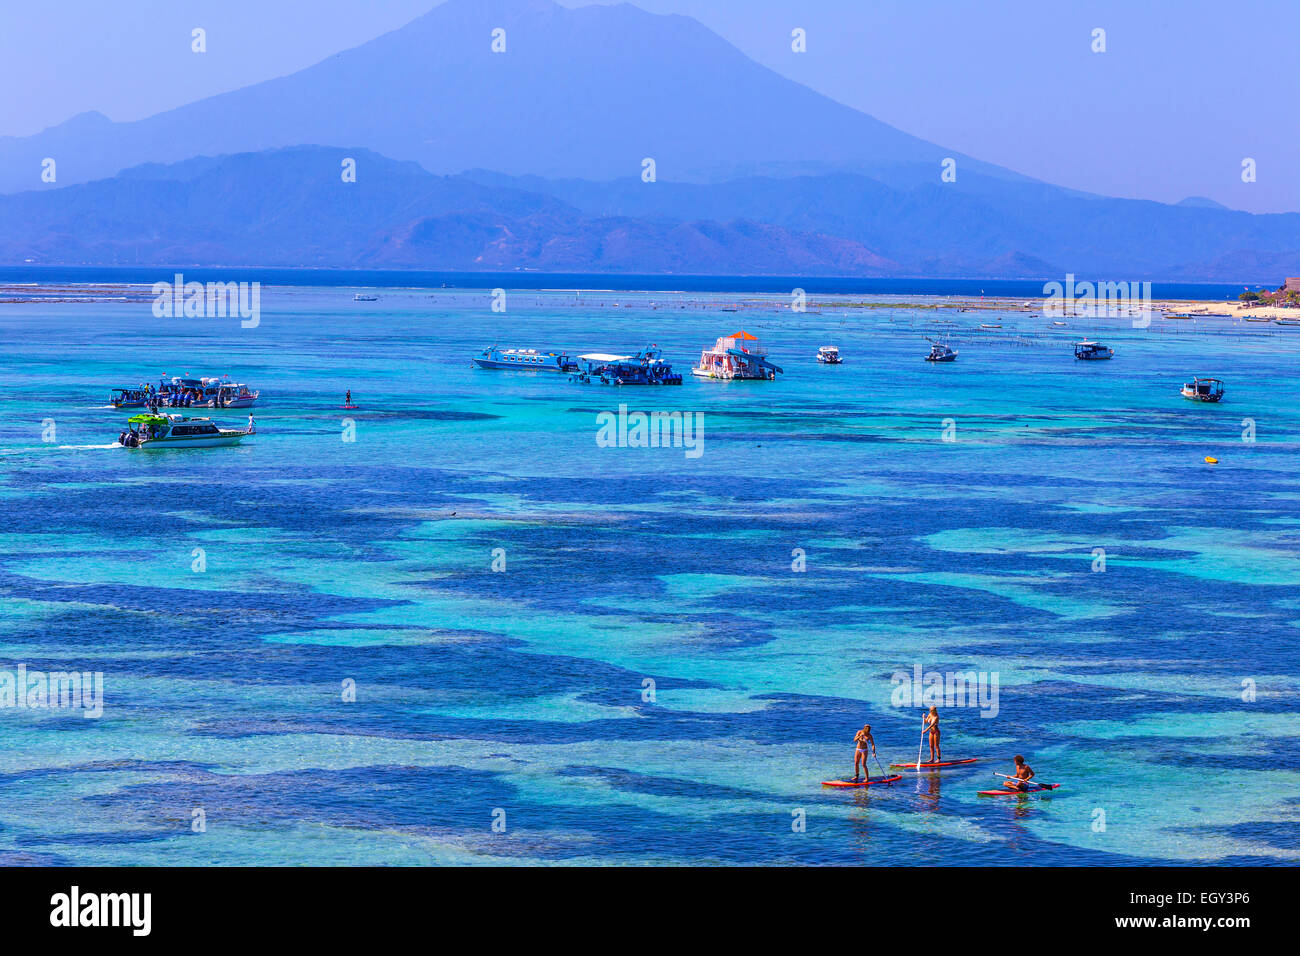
pixel 931 723
pixel 863 741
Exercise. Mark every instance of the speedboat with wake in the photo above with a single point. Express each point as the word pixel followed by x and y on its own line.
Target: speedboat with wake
pixel 177 431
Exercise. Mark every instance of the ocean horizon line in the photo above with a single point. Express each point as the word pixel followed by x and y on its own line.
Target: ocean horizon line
pixel 596 281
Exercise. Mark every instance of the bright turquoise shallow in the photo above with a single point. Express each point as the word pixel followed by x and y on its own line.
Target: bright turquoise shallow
pixel 523 691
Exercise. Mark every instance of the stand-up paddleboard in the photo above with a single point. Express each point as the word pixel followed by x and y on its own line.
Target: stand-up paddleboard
pixel 862 783
pixel 927 766
pixel 1019 793
pixel 351 407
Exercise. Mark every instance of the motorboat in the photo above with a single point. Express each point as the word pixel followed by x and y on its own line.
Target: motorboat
pixel 177 431
pixel 829 355
pixel 939 352
pixel 525 360
pixel 136 397
pixel 1203 390
pixel 646 367
pixel 1092 350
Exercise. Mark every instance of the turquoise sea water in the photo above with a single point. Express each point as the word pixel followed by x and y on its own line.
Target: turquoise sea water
pixel 520 695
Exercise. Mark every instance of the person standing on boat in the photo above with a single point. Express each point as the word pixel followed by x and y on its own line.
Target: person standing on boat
pixel 863 741
pixel 931 723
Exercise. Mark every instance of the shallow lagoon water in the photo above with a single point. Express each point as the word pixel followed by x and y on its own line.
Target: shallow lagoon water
pixel 525 690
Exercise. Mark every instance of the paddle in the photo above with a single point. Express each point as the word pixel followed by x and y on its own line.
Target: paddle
pixel 920 745
pixel 1040 786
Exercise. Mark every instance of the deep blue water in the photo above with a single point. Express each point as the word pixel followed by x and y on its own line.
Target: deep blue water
pixel 523 691
pixel 373 278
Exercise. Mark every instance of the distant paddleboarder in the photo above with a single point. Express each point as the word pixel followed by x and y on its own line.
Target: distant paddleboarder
pixel 863 742
pixel 931 724
pixel 348 399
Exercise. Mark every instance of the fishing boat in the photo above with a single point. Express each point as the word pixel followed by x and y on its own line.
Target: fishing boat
pixel 176 431
pixel 1092 351
pixel 829 355
pixel 996 325
pixel 365 297
pixel 940 352
pixel 735 357
pixel 646 367
pixel 1203 390
pixel 525 360
pixel 129 397
pixel 1287 320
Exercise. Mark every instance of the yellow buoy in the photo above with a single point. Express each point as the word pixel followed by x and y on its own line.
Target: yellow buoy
pixel 1211 461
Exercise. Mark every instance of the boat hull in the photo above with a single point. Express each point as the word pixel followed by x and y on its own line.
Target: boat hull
pixel 206 441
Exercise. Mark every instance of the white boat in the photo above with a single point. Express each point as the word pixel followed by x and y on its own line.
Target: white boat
pixel 365 297
pixel 234 395
pixel 735 357
pixel 177 431
pixel 829 355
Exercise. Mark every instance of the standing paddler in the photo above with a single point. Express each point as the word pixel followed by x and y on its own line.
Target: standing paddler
pixel 862 742
pixel 930 723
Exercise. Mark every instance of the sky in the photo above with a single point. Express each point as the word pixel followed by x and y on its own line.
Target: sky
pixel 1184 92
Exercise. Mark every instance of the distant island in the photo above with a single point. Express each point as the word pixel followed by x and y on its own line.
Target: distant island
pixel 689 157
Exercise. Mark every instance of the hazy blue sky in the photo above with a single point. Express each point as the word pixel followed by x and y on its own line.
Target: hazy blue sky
pixel 1185 91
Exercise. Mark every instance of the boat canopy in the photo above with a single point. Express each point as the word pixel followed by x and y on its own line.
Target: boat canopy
pixel 147 420
pixel 602 357
pixel 742 334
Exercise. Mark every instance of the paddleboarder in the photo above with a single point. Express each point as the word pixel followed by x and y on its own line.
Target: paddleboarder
pixel 931 723
pixel 348 400
pixel 863 741
pixel 1023 776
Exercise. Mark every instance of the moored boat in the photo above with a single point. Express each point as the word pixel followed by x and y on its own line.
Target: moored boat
pixel 137 397
pixel 829 355
pixel 940 352
pixel 1203 390
pixel 176 431
pixel 735 357
pixel 1092 351
pixel 233 395
pixel 525 360
pixel 646 367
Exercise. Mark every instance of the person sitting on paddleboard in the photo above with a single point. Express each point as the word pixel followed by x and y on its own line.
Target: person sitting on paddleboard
pixel 931 723
pixel 863 740
pixel 1023 775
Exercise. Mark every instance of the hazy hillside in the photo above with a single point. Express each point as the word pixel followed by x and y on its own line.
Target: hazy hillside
pixel 290 207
